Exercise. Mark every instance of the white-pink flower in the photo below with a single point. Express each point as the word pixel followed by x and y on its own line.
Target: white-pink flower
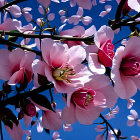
pixel 62 66
pixel 78 31
pixel 133 118
pixel 14 65
pixel 134 4
pixel 101 54
pixel 88 102
pixel 126 69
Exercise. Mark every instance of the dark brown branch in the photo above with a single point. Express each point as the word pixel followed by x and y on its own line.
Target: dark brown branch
pixel 107 123
pixel 15 99
pixel 11 3
pixel 6 42
pixel 119 10
pixel 126 22
pixel 1 131
pixel 55 37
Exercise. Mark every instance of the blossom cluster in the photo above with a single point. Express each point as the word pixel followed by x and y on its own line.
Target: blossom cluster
pixel 91 76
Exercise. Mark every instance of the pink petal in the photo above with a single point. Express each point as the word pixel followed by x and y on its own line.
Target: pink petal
pixel 103 34
pixel 67 127
pixel 86 20
pixel 80 11
pixel 90 31
pixel 78 55
pixel 28 16
pixel 51 16
pixel 15 10
pixel 134 4
pixel 51 120
pixel 45 3
pixel 108 8
pixel 55 135
pixel 134 113
pixel 41 10
pixel 100 137
pixel 84 4
pixel 94 65
pixel 87 116
pixel 99 128
pixel 103 13
pixel 98 82
pixel 130 123
pixel 16 133
pixel 68 114
pixel 27 120
pixel 13 24
pixel 5 65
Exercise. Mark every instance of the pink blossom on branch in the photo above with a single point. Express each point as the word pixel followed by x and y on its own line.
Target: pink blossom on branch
pixel 126 69
pixel 14 65
pixel 88 102
pixel 101 54
pixel 62 66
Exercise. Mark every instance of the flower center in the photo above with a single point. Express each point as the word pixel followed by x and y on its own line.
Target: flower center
pixel 83 97
pixel 130 66
pixel 61 74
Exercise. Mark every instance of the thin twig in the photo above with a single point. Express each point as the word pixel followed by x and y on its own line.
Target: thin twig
pixel 1 131
pixel 6 42
pixel 101 116
pixel 55 37
pixel 11 3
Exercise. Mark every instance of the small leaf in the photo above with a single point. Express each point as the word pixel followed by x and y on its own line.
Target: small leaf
pixel 6 88
pixel 33 123
pixel 42 101
pixel 7 115
pixel 13 38
pixel 20 115
pixel 119 132
pixel 42 80
pixel 47 131
pixel 8 123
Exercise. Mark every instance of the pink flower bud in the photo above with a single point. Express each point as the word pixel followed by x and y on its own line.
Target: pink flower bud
pixel 130 66
pixel 83 96
pixel 106 53
pixel 30 109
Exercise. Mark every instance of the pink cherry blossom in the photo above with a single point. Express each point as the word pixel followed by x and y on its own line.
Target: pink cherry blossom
pixel 67 127
pixel 74 19
pixel 15 10
pixel 62 66
pixel 125 69
pixel 133 118
pixel 14 65
pixel 130 103
pixel 100 128
pixel 78 31
pixel 135 138
pixel 14 24
pixel 16 133
pixel 88 102
pixel 100 137
pixel 134 4
pixel 112 113
pixel 101 54
pixel 107 11
pixel 50 119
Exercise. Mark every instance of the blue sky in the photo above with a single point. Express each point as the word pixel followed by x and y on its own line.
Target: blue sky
pixel 85 131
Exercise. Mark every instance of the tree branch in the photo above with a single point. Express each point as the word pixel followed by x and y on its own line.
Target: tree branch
pixel 15 99
pixel 6 42
pixel 55 37
pixel 101 116
pixel 11 3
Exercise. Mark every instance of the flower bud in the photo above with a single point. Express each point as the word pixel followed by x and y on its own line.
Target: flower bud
pixel 30 109
pixel 130 66
pixel 83 96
